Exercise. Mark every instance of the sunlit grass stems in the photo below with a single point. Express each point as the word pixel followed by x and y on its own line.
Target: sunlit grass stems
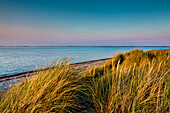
pixel 52 90
pixel 133 82
pixel 136 81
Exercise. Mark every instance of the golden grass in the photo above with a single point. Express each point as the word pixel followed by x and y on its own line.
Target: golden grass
pixel 51 90
pixel 136 81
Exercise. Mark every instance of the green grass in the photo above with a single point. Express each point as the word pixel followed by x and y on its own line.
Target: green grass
pixel 136 81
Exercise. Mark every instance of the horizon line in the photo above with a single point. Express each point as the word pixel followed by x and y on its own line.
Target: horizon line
pixel 90 46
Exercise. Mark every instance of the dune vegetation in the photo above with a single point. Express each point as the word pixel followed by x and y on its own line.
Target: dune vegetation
pixel 136 81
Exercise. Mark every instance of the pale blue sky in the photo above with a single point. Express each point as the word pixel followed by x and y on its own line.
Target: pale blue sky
pixel 85 22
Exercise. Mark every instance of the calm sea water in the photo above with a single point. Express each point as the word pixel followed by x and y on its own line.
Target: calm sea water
pixel 15 60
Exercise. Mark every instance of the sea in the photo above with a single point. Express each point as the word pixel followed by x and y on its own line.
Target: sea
pixel 14 60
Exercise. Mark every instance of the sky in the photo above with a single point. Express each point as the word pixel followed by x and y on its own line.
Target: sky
pixel 84 22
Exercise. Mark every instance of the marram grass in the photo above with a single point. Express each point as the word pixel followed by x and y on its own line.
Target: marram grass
pixel 138 86
pixel 136 81
pixel 51 90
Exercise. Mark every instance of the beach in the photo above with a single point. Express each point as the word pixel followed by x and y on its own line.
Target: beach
pixel 6 81
pixel 84 56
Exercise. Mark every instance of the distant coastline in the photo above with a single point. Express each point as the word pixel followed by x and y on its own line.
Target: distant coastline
pixel 87 46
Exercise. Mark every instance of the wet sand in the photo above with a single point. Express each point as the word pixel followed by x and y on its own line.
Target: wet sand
pixel 6 81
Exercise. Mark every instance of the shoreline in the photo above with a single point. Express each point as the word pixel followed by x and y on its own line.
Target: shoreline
pixel 23 74
pixel 6 81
